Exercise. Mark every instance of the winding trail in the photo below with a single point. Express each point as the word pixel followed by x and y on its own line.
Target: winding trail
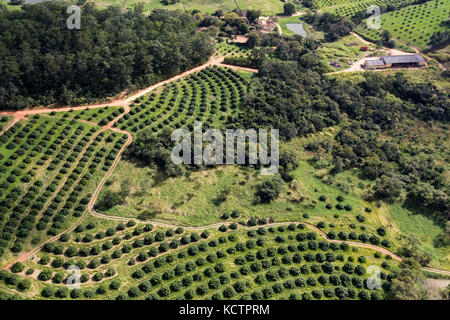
pixel 121 101
pixel 280 31
pixel 125 103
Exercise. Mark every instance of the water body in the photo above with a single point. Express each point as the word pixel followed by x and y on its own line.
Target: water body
pixel 297 28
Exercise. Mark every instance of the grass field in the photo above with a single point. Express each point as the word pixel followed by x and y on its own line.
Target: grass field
pixel 206 6
pixel 286 20
pixel 342 51
pixel 191 201
pixel 442 55
pixel 10 6
pixel 432 73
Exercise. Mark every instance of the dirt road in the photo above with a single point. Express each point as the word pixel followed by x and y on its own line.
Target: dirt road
pixel 110 126
pixel 121 101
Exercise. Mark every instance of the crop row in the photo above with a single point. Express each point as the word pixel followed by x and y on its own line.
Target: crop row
pixel 209 96
pixel 60 157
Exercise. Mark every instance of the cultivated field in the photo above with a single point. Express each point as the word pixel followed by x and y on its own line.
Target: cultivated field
pixel 211 96
pixel 129 261
pixel 205 234
pixel 225 48
pixel 314 196
pixel 412 25
pixel 205 6
pixel 48 168
pixel 350 7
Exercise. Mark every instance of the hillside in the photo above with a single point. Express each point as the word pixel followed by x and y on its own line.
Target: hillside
pixel 91 194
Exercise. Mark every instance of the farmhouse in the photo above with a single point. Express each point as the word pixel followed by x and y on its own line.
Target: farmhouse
pixel 409 60
pixel 266 24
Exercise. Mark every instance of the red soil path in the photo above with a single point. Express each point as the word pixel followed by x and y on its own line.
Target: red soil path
pixel 125 102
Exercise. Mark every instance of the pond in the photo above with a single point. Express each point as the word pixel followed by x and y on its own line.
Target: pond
pixel 297 28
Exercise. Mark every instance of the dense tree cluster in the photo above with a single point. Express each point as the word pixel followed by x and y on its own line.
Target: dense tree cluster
pixel 290 94
pixel 334 26
pixel 290 98
pixel 151 148
pixel 43 62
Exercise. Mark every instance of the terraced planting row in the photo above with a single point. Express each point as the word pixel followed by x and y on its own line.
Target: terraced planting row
pixel 142 262
pixel 101 116
pixel 413 24
pixel 4 121
pixel 211 96
pixel 348 8
pixel 48 165
pixel 223 48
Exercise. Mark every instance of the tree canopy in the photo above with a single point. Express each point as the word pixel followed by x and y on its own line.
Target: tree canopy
pixel 43 62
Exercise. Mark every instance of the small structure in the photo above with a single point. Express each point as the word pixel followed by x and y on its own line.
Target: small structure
pixel 374 63
pixel 240 40
pixel 383 62
pixel 266 24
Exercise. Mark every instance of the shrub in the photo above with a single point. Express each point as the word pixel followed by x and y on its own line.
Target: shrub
pixel 229 292
pixel 47 292
pixel 288 10
pixel 45 275
pixel 24 285
pixel 235 214
pixel 75 294
pixel 205 234
pixel 17 267
pixel 268 190
pixel 381 231
pixel 62 292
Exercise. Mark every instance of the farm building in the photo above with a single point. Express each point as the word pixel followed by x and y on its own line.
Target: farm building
pixel 409 60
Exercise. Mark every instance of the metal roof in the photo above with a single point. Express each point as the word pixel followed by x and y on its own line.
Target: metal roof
pixel 409 58
pixel 375 62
